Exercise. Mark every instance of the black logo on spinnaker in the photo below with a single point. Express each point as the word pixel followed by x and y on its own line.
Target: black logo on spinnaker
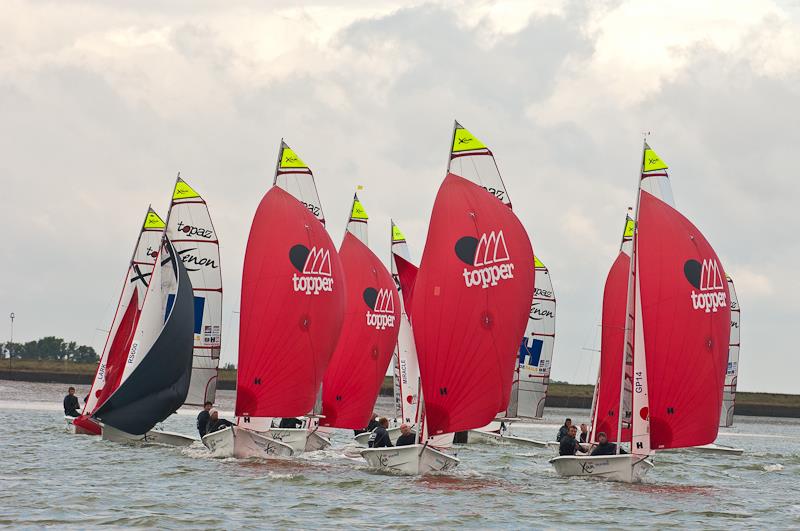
pixel 707 278
pixel 488 253
pixel 314 266
pixel 381 302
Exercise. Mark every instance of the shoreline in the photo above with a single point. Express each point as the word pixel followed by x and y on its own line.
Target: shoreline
pixel 560 395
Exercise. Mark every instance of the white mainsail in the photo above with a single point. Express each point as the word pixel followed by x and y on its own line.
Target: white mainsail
pixel 471 159
pixel 294 176
pixel 137 279
pixel 732 372
pixel 357 223
pixel 191 231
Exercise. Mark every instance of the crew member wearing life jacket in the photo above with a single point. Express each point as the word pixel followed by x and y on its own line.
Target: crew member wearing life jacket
pixel 568 445
pixel 380 437
pixel 71 404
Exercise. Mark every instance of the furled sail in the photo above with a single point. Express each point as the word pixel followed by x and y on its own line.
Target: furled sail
pixel 615 297
pixel 369 334
pixel 120 336
pixel 155 380
pixel 291 310
pixel 406 366
pixel 732 373
pixel 294 176
pixel 532 376
pixel 471 302
pixel 191 231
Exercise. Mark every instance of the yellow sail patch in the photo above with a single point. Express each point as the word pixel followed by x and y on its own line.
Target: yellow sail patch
pixel 537 262
pixel 652 161
pixel 153 221
pixel 463 140
pixel 358 211
pixel 629 225
pixel 289 159
pixel 183 190
pixel 397 234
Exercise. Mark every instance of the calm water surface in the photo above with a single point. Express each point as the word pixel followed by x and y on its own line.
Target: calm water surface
pixel 50 478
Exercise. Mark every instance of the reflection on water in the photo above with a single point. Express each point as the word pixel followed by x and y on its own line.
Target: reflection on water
pixel 79 481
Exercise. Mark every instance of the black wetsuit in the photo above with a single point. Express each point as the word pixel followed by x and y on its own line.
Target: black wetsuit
pixel 380 438
pixel 202 422
pixel 406 440
pixel 568 445
pixel 562 431
pixel 71 406
pixel 290 422
pixel 216 425
pixel 606 449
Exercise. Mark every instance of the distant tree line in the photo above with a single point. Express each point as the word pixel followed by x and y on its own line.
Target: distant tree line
pixel 50 348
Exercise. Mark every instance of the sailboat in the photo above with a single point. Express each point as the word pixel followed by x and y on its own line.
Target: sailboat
pixel 369 334
pixel 472 159
pixel 665 388
pixel 157 369
pixel 115 351
pixel 469 308
pixel 191 231
pixel 292 307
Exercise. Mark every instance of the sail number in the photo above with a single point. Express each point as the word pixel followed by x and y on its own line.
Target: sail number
pixel 637 382
pixel 132 353
pixel 495 192
pixel 314 209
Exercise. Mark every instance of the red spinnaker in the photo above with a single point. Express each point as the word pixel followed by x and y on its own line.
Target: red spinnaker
pixel 118 353
pixel 369 334
pixel 408 277
pixel 291 310
pixel 686 318
pixel 471 304
pixel 611 348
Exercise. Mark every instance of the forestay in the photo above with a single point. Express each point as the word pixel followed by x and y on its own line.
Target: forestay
pixel 191 231
pixel 369 333
pixel 120 335
pixel 732 372
pixel 155 380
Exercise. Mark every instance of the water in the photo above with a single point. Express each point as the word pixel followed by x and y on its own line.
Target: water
pixel 50 478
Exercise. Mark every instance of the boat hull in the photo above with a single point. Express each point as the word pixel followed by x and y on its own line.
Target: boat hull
pixel 316 441
pixel 719 449
pixel 483 437
pixel 362 439
pixel 411 460
pixel 625 468
pixel 153 436
pixel 243 444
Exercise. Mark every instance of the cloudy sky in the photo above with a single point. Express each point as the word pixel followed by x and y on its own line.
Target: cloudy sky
pixel 101 103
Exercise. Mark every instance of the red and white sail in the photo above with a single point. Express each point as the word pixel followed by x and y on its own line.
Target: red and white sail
pixel 470 306
pixel 471 159
pixel 732 372
pixel 191 231
pixel 292 305
pixel 120 336
pixel 294 176
pixel 369 333
pixel 406 366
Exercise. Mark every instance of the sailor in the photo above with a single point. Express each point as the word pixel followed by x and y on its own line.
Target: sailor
pixel 407 436
pixel 202 418
pixel 380 437
pixel 563 429
pixel 604 447
pixel 584 433
pixel 215 423
pixel 71 404
pixel 569 446
pixel 290 422
pixel 373 423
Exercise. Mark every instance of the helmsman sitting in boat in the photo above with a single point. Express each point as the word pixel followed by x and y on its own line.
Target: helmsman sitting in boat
pixel 407 437
pixel 71 404
pixel 215 423
pixel 604 447
pixel 203 418
pixel 569 445
pixel 290 422
pixel 380 437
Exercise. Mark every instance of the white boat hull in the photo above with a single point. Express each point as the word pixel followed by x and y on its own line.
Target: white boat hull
pixel 480 436
pixel 626 468
pixel 316 441
pixel 153 436
pixel 69 426
pixel 412 460
pixel 362 439
pixel 717 449
pixel 243 444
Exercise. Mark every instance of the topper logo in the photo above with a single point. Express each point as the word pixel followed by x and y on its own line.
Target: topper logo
pixel 485 253
pixel 707 278
pixel 314 266
pixel 381 302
